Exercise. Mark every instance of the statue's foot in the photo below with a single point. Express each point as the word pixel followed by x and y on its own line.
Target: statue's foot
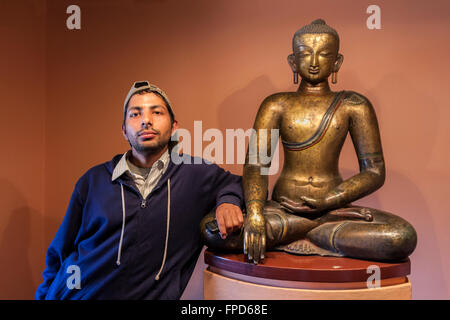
pixel 306 247
pixel 386 238
pixel 352 213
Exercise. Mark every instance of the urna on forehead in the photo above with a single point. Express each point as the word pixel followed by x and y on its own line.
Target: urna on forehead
pixel 318 26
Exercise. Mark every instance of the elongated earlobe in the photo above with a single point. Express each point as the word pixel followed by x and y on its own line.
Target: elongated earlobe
pixel 291 61
pixel 338 63
pixel 334 77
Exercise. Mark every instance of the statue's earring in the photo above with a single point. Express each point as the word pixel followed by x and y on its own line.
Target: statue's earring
pixel 334 77
pixel 295 77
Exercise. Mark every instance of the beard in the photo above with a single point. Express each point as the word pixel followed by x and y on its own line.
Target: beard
pixel 149 146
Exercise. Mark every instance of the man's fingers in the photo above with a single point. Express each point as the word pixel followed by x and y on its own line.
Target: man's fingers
pixel 227 225
pixel 228 221
pixel 240 216
pixel 238 219
pixel 221 224
pixel 234 224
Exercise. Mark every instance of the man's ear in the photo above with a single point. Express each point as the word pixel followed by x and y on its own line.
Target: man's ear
pixel 124 132
pixel 175 143
pixel 291 61
pixel 174 126
pixel 338 62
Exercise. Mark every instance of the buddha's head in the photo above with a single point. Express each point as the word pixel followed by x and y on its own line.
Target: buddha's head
pixel 315 52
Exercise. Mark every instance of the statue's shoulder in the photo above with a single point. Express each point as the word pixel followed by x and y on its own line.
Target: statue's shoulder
pixel 277 100
pixel 358 105
pixel 353 98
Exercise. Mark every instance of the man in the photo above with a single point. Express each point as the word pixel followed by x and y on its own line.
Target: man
pixel 132 227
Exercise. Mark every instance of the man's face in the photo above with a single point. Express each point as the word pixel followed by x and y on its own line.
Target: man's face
pixel 148 126
pixel 315 56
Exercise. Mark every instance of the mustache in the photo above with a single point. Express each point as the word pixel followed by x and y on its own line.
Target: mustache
pixel 150 130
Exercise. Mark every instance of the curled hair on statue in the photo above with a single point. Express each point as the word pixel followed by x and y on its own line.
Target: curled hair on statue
pixel 317 26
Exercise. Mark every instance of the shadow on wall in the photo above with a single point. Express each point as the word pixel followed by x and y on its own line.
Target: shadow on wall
pixel 243 100
pixel 24 238
pixel 427 274
pixel 401 194
pixel 230 117
pixel 16 279
pixel 17 244
pixel 233 108
pixel 416 112
pixel 410 108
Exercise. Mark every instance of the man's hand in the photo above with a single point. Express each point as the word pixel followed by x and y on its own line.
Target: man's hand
pixel 229 219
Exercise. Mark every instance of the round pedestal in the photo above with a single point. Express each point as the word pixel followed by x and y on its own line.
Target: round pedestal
pixel 284 276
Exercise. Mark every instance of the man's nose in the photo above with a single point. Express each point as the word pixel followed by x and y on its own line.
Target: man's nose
pixel 147 119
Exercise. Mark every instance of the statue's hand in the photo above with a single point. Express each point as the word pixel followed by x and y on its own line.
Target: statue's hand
pixel 255 235
pixel 307 205
pixel 317 204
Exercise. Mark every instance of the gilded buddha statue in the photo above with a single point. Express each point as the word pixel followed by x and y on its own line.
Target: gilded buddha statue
pixel 311 209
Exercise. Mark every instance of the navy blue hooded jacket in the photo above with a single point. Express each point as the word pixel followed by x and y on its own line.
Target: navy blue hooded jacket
pixel 90 233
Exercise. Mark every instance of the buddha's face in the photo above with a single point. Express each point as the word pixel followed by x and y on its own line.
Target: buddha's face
pixel 315 56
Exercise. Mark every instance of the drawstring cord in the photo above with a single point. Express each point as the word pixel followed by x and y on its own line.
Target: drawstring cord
pixel 123 226
pixel 167 230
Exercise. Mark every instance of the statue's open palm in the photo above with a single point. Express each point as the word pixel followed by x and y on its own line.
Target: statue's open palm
pixel 255 236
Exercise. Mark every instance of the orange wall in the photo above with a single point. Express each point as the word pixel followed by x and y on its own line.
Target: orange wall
pixel 217 60
pixel 22 92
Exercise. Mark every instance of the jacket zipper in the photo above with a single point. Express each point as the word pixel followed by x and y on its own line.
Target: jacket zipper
pixel 143 201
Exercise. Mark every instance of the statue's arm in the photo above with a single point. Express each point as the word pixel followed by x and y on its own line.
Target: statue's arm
pixel 255 184
pixel 363 128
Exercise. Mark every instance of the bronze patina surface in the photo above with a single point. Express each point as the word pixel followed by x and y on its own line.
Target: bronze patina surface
pixel 310 211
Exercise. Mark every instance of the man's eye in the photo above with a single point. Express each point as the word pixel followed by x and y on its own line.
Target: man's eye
pixel 157 112
pixel 133 114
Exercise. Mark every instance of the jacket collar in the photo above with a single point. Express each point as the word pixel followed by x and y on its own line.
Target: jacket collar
pixel 122 166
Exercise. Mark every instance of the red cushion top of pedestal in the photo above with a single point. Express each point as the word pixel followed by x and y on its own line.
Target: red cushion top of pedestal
pixel 284 266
